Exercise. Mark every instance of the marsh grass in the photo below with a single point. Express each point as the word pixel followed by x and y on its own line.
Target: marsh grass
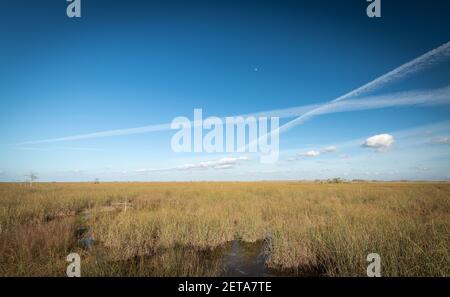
pixel 175 229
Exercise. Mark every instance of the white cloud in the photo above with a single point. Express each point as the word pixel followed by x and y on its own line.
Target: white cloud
pixel 329 149
pixel 310 154
pixel 381 142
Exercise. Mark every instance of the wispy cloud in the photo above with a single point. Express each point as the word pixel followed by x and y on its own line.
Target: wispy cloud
pixel 310 154
pixel 441 140
pixel 35 149
pixel 220 163
pixel 87 149
pixel 317 153
pixel 223 163
pixel 329 149
pixel 421 168
pixel 42 149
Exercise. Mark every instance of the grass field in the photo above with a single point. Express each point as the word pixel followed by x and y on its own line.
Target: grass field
pixel 169 229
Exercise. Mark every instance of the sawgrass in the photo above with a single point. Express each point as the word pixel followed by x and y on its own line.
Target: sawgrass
pixel 174 229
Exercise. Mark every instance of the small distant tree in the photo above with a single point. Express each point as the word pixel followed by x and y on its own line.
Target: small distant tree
pixel 336 180
pixel 31 177
pixel 96 181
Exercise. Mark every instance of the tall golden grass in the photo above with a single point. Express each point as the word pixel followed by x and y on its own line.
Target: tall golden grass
pixel 169 228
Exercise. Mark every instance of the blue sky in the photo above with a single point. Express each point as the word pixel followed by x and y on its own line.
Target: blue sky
pixel 128 64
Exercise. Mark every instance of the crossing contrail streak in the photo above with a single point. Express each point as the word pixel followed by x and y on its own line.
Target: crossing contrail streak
pixel 428 59
pixel 432 57
pixel 119 132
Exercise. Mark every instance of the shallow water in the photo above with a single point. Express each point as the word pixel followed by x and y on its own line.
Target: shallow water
pixel 233 259
pixel 84 237
pixel 243 259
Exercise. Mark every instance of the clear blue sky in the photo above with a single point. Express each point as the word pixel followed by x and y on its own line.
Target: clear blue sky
pixel 134 63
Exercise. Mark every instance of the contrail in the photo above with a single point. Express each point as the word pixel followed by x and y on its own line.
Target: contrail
pixel 418 97
pixel 428 59
pixel 432 57
pixel 288 112
pixel 303 112
pixel 119 132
